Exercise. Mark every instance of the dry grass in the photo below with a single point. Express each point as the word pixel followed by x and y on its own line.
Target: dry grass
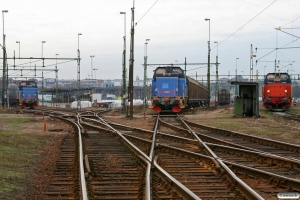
pixel 269 125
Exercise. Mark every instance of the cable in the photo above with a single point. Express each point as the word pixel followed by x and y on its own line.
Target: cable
pixel 247 22
pixel 275 50
pixel 146 12
pixel 291 21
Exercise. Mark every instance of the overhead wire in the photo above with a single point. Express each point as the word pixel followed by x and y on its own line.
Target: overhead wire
pixel 297 38
pixel 146 12
pixel 247 23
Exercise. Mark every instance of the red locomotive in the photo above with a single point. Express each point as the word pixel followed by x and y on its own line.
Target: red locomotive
pixel 277 91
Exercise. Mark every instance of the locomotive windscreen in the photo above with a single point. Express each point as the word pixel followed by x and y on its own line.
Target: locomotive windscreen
pixel 29 84
pixel 168 71
pixel 277 77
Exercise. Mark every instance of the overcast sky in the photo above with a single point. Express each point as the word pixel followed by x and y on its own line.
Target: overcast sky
pixel 176 29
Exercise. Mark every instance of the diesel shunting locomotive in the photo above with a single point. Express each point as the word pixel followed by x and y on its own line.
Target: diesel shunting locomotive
pixel 27 94
pixel 277 91
pixel 172 90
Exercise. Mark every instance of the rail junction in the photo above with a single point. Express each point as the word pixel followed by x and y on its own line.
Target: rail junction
pixel 176 159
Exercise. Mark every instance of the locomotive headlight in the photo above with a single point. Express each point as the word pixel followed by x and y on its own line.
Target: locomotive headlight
pixel 268 91
pixel 285 91
pixel 176 89
pixel 156 89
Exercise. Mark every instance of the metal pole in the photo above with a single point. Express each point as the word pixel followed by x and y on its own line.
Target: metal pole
pixel 208 67
pixel 42 88
pixel 250 62
pixel 42 47
pixel 92 66
pixel 124 68
pixel 78 75
pixel 19 47
pixel 4 59
pixel 236 93
pixel 131 63
pixel 145 74
pixel 184 66
pixel 217 75
pixel 56 74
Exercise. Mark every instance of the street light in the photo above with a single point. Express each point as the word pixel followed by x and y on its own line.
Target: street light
pixel 19 47
pixel 92 65
pixel 42 47
pixel 4 64
pixel 236 76
pixel 78 39
pixel 95 73
pixel 208 65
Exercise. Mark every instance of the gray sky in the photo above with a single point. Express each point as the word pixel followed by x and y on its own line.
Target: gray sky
pixel 176 30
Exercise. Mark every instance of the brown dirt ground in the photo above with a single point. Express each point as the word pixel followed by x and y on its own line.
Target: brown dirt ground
pixel 41 171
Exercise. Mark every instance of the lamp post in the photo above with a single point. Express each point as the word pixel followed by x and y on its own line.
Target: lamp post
pixel 42 47
pixel 4 64
pixel 145 74
pixel 78 73
pixel 95 73
pixel 236 76
pixel 217 74
pixel 19 47
pixel 124 66
pixel 92 65
pixel 208 65
pixel 56 74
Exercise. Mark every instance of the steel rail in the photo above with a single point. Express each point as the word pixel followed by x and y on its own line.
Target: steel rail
pixel 136 150
pixel 179 188
pixel 81 167
pixel 185 192
pixel 288 182
pixel 284 145
pixel 255 153
pixel 248 191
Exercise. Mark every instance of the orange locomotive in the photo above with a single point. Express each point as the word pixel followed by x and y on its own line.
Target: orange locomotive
pixel 277 91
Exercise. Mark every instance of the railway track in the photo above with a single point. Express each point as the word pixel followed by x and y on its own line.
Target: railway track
pixel 177 159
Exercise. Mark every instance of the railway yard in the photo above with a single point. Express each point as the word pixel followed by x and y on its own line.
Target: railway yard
pixel 209 154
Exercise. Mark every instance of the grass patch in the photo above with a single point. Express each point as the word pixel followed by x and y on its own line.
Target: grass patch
pixel 18 153
pixel 268 125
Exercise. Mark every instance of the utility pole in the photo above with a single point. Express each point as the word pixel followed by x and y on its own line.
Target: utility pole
pixel 131 63
pixel 4 64
pixel 78 75
pixel 145 75
pixel 124 69
pixel 56 74
pixel 217 76
pixel 208 68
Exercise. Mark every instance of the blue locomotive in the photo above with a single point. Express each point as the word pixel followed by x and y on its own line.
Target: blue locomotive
pixel 27 94
pixel 172 90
